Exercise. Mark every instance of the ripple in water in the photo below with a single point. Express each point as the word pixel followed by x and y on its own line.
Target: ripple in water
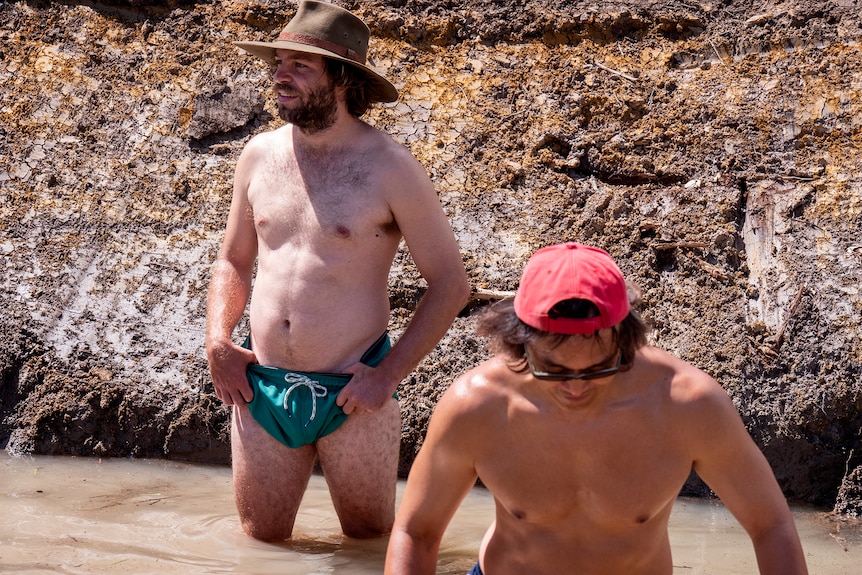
pixel 88 516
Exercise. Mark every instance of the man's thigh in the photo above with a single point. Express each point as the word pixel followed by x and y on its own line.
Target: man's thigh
pixel 360 464
pixel 269 478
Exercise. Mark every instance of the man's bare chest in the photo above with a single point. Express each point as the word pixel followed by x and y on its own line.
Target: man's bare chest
pixel 339 201
pixel 624 473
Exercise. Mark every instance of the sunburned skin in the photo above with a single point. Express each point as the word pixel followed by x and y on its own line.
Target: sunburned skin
pixel 319 209
pixel 333 248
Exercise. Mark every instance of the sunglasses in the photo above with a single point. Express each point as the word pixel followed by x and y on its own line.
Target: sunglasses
pixel 586 375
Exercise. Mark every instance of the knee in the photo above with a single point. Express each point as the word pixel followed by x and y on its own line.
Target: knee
pixel 365 530
pixel 265 532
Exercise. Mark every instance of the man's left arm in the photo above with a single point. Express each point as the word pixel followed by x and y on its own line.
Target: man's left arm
pixel 733 466
pixel 433 247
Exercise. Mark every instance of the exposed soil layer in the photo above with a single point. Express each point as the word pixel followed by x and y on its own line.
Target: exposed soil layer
pixel 713 148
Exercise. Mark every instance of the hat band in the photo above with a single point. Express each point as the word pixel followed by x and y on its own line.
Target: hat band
pixel 324 44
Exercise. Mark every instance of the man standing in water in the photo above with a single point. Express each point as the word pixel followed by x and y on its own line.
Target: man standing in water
pixel 321 205
pixel 585 436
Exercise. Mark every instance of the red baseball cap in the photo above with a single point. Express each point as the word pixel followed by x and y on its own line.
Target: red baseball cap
pixel 571 271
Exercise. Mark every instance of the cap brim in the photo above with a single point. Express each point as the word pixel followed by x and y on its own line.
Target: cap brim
pixel 384 90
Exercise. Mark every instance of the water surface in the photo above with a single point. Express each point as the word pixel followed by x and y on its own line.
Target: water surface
pixel 82 515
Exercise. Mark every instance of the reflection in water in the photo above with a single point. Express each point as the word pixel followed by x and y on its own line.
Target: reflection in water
pixel 81 515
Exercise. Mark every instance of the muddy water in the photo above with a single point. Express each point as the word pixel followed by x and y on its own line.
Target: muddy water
pixel 79 515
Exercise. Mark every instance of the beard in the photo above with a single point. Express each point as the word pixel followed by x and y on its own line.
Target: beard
pixel 316 112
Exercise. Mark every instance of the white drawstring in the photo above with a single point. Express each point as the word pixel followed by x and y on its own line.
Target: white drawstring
pixel 314 387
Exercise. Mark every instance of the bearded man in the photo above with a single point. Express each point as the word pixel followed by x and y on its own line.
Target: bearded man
pixel 320 206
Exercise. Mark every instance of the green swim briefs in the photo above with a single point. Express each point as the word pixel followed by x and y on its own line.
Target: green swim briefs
pixel 298 408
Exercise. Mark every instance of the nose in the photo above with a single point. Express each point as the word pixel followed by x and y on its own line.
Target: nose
pixel 280 72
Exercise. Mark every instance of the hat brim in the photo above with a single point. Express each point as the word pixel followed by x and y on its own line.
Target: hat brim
pixel 383 90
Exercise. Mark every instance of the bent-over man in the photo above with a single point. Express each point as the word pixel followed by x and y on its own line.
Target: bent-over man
pixel 585 436
pixel 320 205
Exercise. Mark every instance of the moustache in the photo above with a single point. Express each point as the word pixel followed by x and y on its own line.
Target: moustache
pixel 287 89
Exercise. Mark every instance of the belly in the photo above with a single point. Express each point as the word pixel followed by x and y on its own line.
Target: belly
pixel 641 550
pixel 315 322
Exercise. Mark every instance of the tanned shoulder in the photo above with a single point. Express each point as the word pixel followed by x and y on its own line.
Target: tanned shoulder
pixel 479 392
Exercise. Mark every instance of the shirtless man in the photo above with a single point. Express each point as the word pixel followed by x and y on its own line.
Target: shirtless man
pixel 321 205
pixel 584 435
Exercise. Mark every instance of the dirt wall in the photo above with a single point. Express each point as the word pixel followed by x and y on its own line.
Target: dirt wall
pixel 713 148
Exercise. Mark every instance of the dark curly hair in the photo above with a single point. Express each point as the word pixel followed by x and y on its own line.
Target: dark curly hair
pixel 359 93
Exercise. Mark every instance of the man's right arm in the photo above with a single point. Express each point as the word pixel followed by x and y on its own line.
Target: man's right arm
pixel 733 466
pixel 230 288
pixel 440 478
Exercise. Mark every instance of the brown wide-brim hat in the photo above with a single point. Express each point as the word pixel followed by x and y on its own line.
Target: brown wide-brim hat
pixel 330 31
